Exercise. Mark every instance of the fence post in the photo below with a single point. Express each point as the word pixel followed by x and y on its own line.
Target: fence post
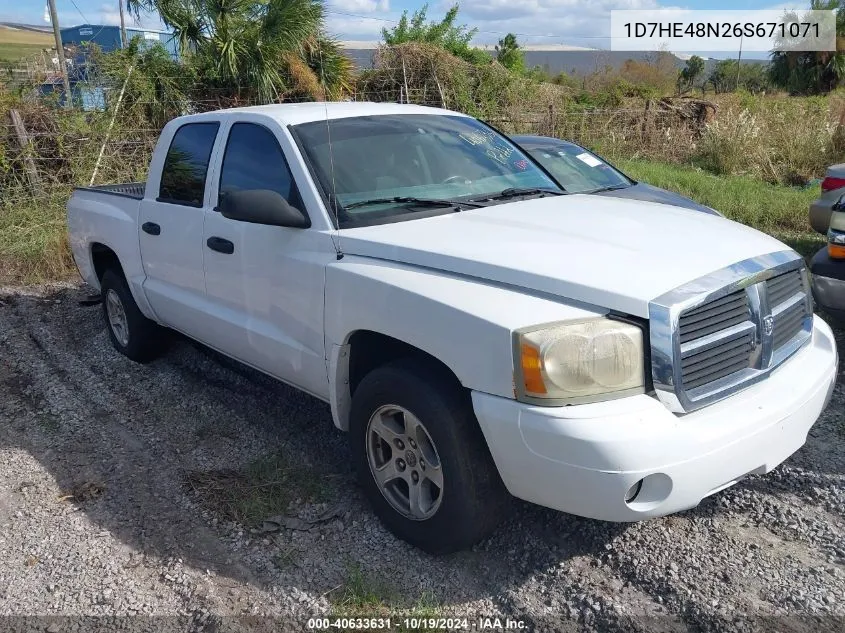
pixel 552 120
pixel 25 143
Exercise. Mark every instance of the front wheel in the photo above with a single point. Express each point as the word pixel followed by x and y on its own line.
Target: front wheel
pixel 422 459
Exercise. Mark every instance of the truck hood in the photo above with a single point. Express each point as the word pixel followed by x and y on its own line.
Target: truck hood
pixel 608 252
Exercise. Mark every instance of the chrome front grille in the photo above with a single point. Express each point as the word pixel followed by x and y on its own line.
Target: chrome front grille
pixel 788 323
pixel 727 330
pixel 717 315
pixel 723 359
pixel 784 286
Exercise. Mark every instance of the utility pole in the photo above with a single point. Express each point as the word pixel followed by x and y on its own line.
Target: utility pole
pixel 123 41
pixel 738 65
pixel 61 52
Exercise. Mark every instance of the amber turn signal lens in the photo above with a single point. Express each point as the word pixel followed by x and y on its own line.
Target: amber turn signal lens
pixel 531 366
pixel 836 251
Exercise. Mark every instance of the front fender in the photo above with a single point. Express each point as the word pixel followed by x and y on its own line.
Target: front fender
pixel 464 322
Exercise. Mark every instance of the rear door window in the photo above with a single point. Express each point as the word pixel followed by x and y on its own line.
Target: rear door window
pixel 186 164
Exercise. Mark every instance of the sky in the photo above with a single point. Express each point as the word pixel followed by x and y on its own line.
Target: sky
pixel 569 22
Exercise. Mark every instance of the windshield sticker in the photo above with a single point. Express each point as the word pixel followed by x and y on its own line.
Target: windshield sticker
pixel 521 165
pixel 592 161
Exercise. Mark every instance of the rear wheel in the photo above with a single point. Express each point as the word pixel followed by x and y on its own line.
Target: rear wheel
pixel 422 459
pixel 131 333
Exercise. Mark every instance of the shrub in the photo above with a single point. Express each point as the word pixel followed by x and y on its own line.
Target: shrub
pixel 759 137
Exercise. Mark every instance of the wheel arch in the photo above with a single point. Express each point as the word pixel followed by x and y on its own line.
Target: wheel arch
pixel 103 258
pixel 362 351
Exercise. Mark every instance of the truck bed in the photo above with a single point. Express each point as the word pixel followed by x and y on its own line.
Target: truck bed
pixel 129 190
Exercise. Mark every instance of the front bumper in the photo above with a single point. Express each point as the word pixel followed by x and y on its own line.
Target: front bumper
pixel 828 282
pixel 585 459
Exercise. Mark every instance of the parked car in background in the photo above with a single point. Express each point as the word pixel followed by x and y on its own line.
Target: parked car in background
pixel 578 170
pixel 828 268
pixel 476 330
pixel 833 188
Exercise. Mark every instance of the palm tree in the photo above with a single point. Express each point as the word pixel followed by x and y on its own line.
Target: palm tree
pixel 689 73
pixel 263 50
pixel 811 72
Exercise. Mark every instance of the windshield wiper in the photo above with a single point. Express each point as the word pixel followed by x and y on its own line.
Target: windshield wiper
pixel 422 202
pixel 608 188
pixel 515 192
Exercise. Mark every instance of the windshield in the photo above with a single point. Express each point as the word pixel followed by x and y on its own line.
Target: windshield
pixel 373 165
pixel 576 169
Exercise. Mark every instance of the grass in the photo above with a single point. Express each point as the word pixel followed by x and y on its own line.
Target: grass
pixel 13 52
pixel 33 241
pixel 778 210
pixel 262 489
pixel 18 43
pixel 365 596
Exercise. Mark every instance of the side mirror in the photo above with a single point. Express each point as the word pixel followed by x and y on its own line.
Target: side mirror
pixel 262 206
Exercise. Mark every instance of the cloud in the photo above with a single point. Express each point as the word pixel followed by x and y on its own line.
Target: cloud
pixel 574 22
pixel 353 28
pixel 108 14
pixel 360 6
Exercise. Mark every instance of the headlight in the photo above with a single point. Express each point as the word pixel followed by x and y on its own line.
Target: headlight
pixel 575 363
pixel 836 244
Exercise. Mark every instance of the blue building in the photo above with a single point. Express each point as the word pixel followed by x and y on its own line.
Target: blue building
pixel 108 37
pixel 86 93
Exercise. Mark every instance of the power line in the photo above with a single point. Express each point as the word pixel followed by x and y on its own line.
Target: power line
pixel 78 10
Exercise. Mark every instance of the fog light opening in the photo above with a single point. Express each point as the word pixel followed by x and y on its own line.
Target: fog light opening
pixel 633 491
pixel 649 492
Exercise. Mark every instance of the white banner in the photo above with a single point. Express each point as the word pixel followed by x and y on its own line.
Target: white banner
pixel 690 31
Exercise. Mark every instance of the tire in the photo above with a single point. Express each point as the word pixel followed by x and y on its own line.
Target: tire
pixel 472 499
pixel 143 339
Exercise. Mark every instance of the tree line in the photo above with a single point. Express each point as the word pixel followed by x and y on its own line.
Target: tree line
pixel 272 50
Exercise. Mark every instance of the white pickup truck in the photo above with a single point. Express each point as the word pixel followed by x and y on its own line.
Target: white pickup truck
pixel 477 330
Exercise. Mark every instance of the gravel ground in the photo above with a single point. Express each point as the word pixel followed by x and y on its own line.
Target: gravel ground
pixel 96 518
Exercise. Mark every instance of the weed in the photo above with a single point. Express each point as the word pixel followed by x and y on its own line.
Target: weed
pixel 365 596
pixel 264 488
pixel 286 558
pixel 49 422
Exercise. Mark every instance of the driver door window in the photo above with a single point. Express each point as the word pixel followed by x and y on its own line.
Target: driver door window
pixel 254 160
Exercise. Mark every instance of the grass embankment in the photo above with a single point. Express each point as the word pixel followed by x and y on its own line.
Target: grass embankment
pixel 16 44
pixel 33 246
pixel 778 210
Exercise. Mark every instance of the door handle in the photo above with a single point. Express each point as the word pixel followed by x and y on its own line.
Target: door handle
pixel 151 227
pixel 220 245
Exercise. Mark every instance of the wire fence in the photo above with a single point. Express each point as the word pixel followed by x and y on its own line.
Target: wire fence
pixel 46 150
pixel 109 133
